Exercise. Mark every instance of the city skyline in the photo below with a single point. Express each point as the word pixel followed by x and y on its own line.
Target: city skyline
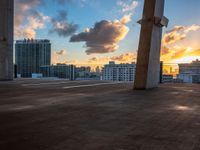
pixel 59 20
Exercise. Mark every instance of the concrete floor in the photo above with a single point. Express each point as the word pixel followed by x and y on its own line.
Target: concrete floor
pixel 62 115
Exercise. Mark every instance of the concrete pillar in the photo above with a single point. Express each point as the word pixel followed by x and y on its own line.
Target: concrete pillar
pixel 148 60
pixel 6 39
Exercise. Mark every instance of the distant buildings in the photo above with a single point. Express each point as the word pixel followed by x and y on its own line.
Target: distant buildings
pixel 167 78
pixel 82 72
pixel 190 73
pixel 119 72
pixel 30 55
pixel 86 73
pixel 59 71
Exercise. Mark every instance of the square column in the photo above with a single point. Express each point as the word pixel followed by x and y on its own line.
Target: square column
pixel 6 39
pixel 148 60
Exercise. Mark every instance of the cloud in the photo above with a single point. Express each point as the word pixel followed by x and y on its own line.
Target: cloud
pixel 74 62
pixel 127 5
pixel 27 19
pixel 35 21
pixel 104 37
pixel 185 52
pixel 22 7
pixel 164 50
pixel 126 19
pixel 170 51
pixel 94 61
pixel 178 33
pixel 61 52
pixel 54 58
pixel 127 57
pixel 61 26
pixel 174 53
pixel 123 58
pixel 58 56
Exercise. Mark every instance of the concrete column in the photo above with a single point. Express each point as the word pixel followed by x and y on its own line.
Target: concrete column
pixel 148 60
pixel 6 39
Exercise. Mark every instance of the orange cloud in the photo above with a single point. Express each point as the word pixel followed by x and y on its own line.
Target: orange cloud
pixel 170 52
pixel 58 56
pixel 26 14
pixel 35 21
pixel 126 19
pixel 186 52
pixel 123 58
pixel 175 53
pixel 127 58
pixel 178 33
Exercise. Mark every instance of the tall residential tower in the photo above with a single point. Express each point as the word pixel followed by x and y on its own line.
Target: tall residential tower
pixel 30 55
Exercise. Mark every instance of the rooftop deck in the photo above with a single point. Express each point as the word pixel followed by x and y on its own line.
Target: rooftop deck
pixel 92 115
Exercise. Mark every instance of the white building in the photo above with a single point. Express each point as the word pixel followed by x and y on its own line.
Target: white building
pixel 190 73
pixel 119 72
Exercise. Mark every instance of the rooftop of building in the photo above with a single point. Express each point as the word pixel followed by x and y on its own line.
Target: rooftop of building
pixel 113 63
pixel 57 65
pixel 95 115
pixel 193 63
pixel 27 41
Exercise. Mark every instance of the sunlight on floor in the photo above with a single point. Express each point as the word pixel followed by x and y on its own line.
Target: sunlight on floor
pixel 183 108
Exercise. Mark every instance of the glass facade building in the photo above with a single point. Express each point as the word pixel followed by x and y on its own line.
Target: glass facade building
pixel 30 55
pixel 62 71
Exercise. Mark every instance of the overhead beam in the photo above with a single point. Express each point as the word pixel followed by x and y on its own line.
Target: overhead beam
pixel 148 60
pixel 6 39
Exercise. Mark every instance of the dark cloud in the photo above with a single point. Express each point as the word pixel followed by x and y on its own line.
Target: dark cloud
pixel 103 38
pixel 61 26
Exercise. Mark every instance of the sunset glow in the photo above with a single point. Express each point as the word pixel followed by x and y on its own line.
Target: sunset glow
pixel 106 31
pixel 186 59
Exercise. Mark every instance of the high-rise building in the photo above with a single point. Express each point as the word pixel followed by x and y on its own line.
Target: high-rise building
pixel 190 73
pixel 30 55
pixel 119 72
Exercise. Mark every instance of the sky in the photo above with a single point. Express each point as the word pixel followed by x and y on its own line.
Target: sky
pixel 99 31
